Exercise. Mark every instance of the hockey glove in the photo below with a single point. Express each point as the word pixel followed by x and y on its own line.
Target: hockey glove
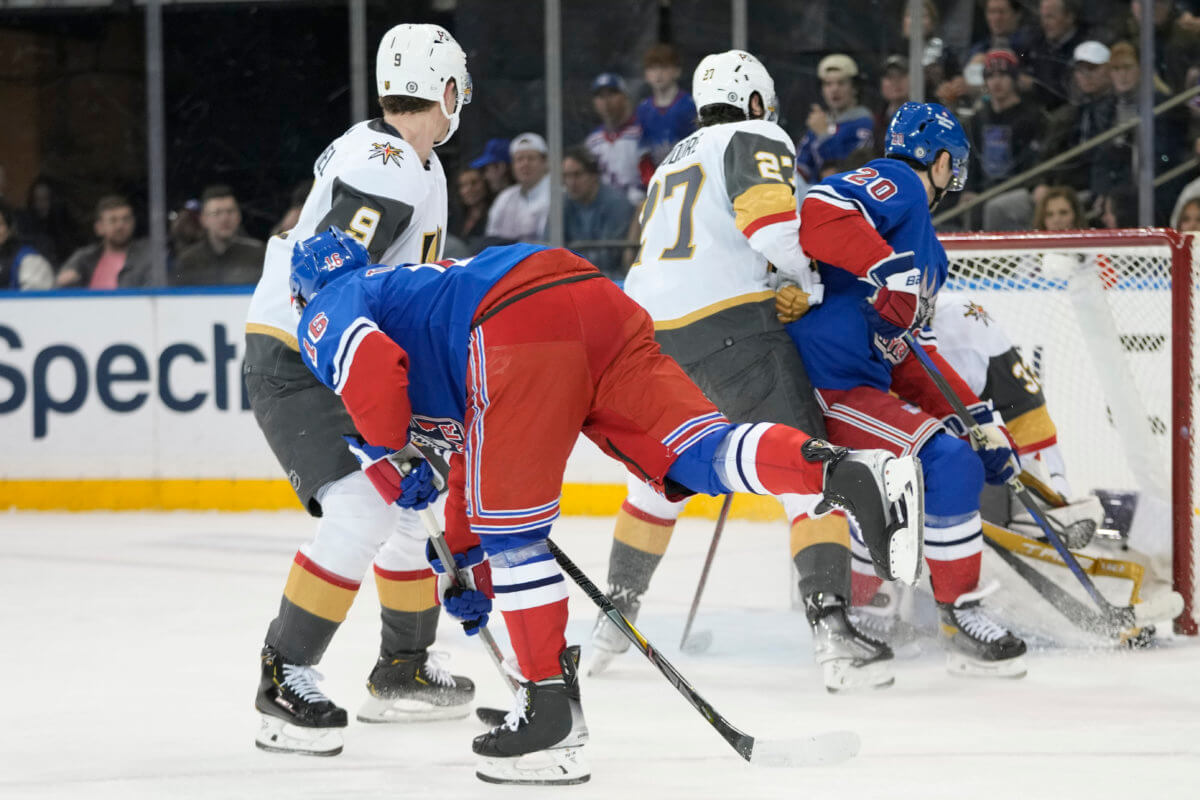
pixel 401 477
pixel 999 453
pixel 470 601
pixel 892 309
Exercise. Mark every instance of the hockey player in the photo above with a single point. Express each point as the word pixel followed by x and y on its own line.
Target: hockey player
pixel 871 232
pixel 719 213
pixel 511 358
pixel 381 182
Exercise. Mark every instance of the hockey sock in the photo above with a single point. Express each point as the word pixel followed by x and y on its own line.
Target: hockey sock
pixel 765 458
pixel 953 529
pixel 820 549
pixel 639 541
pixel 314 604
pixel 409 609
pixel 531 592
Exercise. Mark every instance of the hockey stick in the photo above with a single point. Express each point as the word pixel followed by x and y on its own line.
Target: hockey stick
pixel 712 551
pixel 1121 617
pixel 437 538
pixel 826 748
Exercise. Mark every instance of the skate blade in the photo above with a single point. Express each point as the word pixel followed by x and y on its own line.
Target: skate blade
pixel 813 751
pixel 842 676
pixel 277 736
pixel 905 488
pixel 383 710
pixel 964 666
pixel 561 766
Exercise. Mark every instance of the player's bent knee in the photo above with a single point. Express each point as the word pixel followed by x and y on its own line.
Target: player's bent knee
pixel 953 475
pixel 642 496
pixel 355 524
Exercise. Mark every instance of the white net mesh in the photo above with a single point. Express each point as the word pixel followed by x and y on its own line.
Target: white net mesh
pixel 1093 318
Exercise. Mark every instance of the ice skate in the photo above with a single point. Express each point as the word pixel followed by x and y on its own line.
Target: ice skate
pixel 296 716
pixel 880 619
pixel 885 496
pixel 976 644
pixel 849 659
pixel 415 687
pixel 541 740
pixel 607 641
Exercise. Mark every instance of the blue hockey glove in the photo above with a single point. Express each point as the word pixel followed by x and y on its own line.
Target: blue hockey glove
pixel 999 454
pixel 470 602
pixel 394 475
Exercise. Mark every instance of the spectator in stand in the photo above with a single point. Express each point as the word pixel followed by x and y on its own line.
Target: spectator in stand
pixel 944 81
pixel 617 144
pixel 116 261
pixel 594 210
pixel 1176 45
pixel 493 163
pixel 47 224
pixel 834 132
pixel 1189 217
pixel 184 228
pixel 1006 136
pixel 1092 111
pixel 1006 30
pixel 1058 209
pixel 1189 15
pixel 893 91
pixel 519 212
pixel 469 216
pixel 1116 160
pixel 1049 57
pixel 668 114
pixel 22 267
pixel 223 256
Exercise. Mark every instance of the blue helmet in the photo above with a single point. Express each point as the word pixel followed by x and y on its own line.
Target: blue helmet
pixel 322 258
pixel 922 130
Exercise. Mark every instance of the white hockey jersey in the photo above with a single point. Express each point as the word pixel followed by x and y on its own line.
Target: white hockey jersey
pixel 720 207
pixel 370 183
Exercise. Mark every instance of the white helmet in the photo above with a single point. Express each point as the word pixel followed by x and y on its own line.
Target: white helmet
pixel 416 61
pixel 731 77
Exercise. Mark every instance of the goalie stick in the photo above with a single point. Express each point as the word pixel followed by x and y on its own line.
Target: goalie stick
pixel 1120 617
pixel 825 748
pixel 701 643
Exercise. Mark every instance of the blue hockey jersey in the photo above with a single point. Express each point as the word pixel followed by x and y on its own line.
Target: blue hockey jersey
pixel 427 309
pixel 839 348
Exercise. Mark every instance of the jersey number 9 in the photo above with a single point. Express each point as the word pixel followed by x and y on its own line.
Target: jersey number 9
pixel 363 225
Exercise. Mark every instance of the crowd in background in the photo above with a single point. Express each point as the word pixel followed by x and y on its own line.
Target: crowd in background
pixel 1037 84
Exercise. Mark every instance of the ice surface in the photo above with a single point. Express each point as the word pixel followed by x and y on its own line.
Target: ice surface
pixel 130 660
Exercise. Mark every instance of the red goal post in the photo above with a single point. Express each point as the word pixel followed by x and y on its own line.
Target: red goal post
pixel 1106 319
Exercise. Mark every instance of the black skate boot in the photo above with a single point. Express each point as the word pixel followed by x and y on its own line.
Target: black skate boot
pixel 415 687
pixel 850 659
pixel 976 644
pixel 296 716
pixel 607 641
pixel 880 618
pixel 541 739
pixel 886 497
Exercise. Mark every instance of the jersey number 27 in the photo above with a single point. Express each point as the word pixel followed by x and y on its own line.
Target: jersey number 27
pixel 691 179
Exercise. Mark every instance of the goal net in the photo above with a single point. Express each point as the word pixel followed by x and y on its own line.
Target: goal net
pixel 1105 320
